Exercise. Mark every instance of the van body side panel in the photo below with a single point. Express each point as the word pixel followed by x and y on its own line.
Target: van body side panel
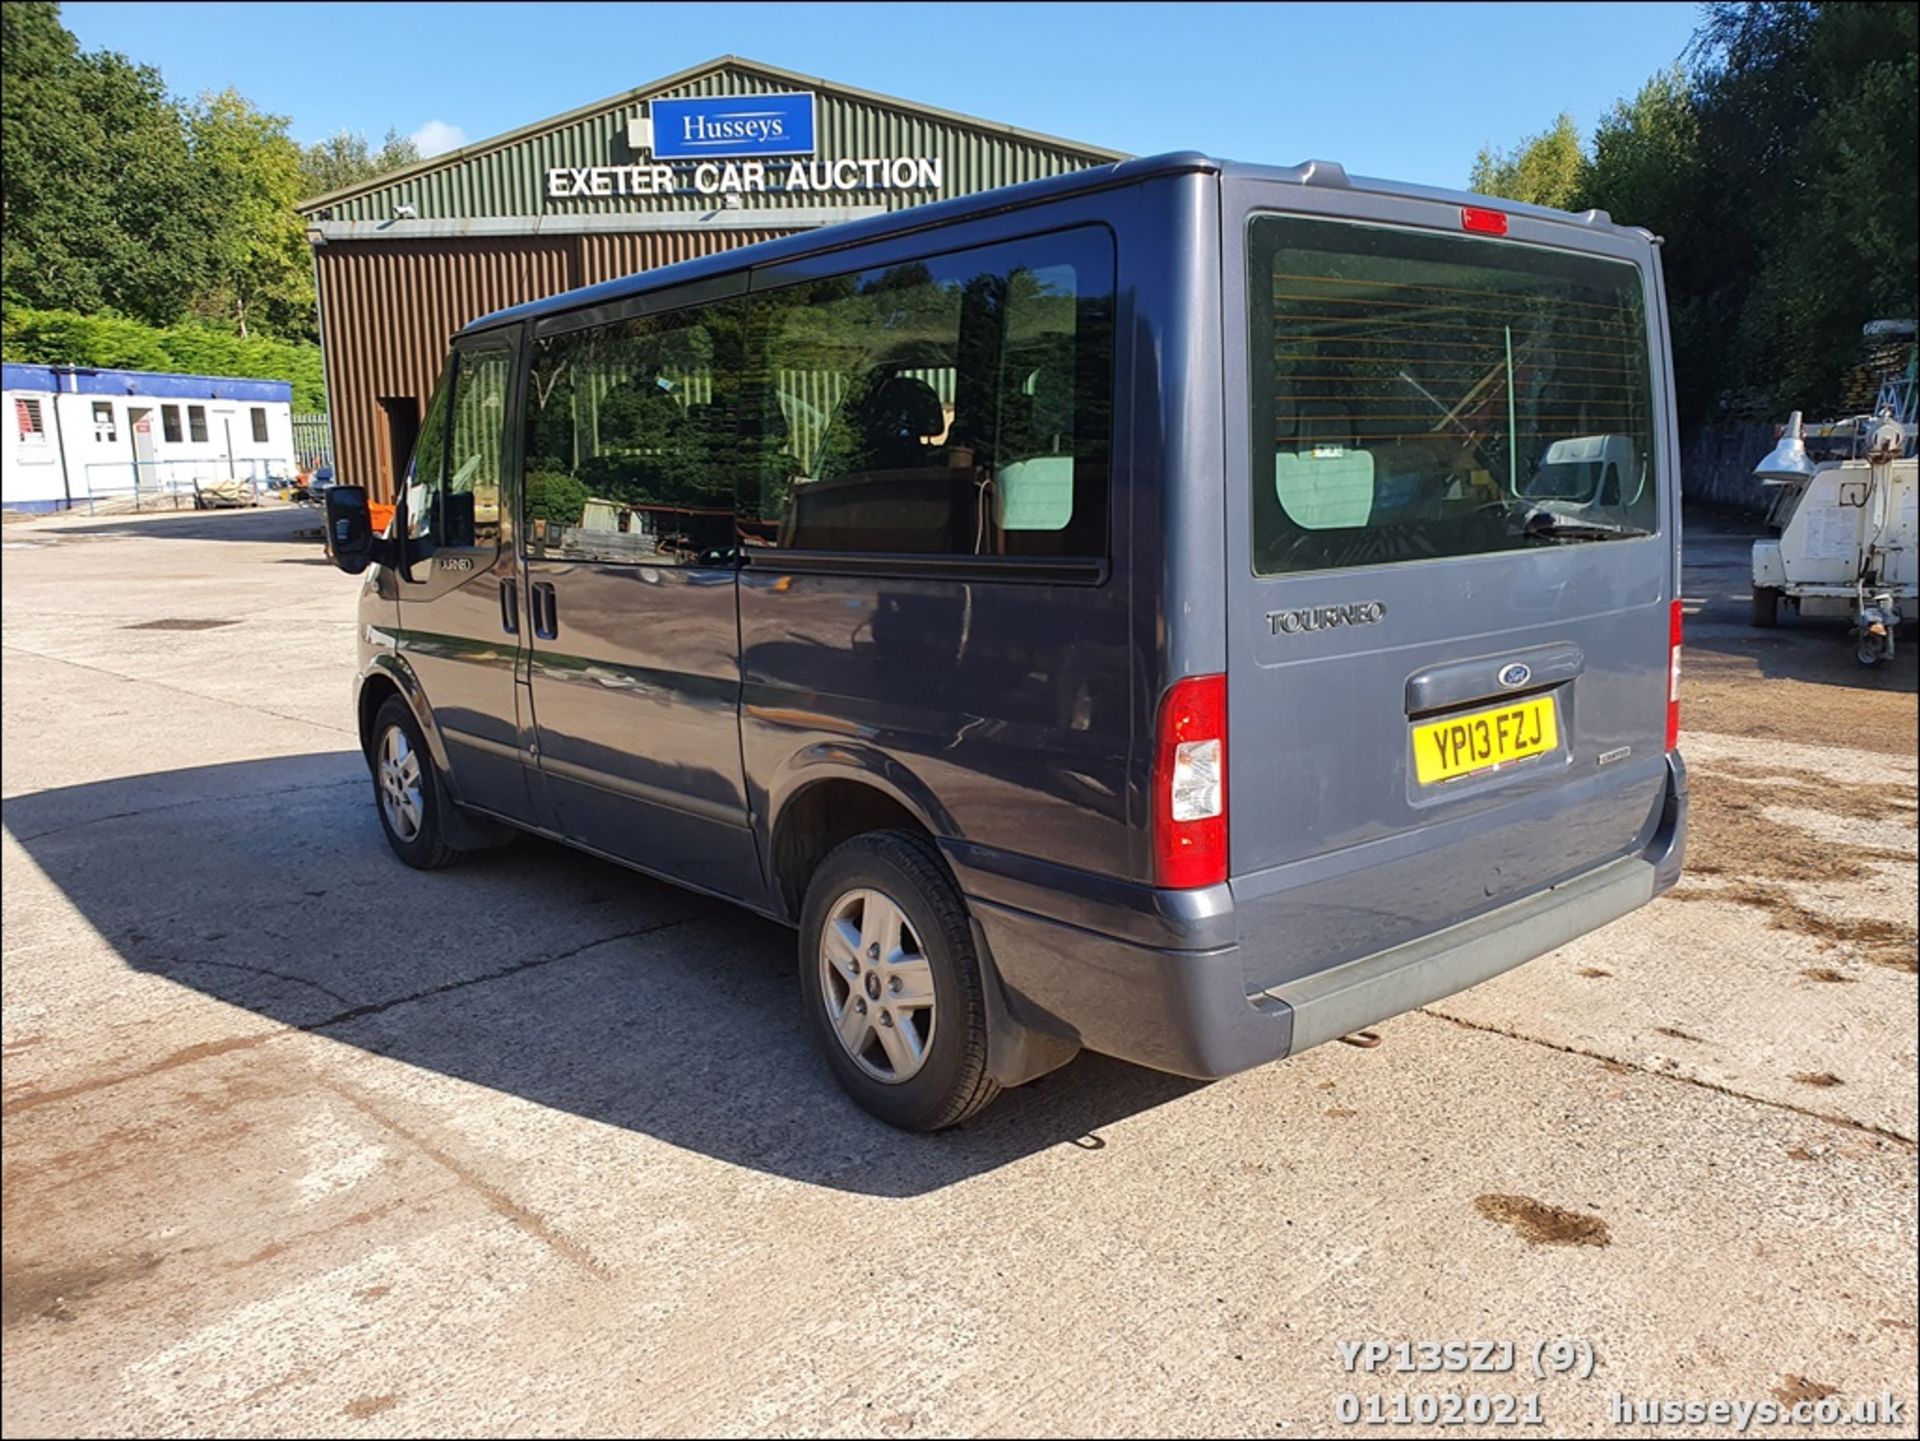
pixel 1180 444
pixel 988 695
pixel 376 653
pixel 1011 699
pixel 1670 432
pixel 636 696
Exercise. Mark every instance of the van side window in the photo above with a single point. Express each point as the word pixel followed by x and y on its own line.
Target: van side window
pixel 453 485
pixel 959 405
pixel 631 429
pixel 467 506
pixel 425 470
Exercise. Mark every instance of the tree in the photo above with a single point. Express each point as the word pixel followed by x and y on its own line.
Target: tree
pixel 1852 256
pixel 248 181
pixel 344 159
pixel 1648 170
pixel 56 337
pixel 1808 122
pixel 1646 154
pixel 1545 169
pixel 98 180
pixel 1780 174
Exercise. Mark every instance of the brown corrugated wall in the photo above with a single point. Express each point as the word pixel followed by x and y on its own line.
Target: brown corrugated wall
pixel 388 308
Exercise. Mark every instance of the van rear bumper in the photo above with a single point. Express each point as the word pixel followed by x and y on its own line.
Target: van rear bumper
pixel 1189 1010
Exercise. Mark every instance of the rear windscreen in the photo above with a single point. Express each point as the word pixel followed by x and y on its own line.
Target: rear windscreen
pixel 1417 395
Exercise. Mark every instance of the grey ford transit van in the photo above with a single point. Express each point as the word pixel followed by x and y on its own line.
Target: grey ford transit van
pixel 1182 609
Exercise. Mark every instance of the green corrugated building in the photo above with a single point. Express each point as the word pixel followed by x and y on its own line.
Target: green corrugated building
pixel 714 157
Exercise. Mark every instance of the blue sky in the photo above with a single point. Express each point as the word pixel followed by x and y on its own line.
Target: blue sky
pixel 1408 92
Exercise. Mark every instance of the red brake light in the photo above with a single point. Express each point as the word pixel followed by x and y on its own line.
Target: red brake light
pixel 1190 784
pixel 1674 627
pixel 1483 222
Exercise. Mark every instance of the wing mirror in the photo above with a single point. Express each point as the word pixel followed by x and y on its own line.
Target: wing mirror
pixel 349 528
pixel 351 540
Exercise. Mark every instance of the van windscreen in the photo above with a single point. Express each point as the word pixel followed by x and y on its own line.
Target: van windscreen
pixel 1418 395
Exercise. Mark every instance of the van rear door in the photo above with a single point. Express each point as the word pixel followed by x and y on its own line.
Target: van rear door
pixel 1452 550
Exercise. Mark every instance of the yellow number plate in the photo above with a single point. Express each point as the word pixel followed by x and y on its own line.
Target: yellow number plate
pixel 1458 746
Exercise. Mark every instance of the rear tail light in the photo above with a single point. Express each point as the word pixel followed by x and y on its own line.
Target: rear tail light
pixel 1674 626
pixel 1190 784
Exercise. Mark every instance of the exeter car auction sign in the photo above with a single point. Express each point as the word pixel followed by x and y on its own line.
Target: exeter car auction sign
pixel 737 145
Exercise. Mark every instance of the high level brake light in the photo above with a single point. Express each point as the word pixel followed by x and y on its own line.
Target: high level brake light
pixel 1190 784
pixel 1675 625
pixel 1483 222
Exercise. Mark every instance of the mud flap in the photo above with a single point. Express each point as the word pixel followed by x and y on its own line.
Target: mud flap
pixel 469 832
pixel 1016 1051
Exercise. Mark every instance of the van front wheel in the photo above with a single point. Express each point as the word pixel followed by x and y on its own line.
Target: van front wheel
pixel 891 982
pixel 406 789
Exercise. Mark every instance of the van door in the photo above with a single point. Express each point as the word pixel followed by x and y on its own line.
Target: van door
pixel 1452 558
pixel 460 629
pixel 630 543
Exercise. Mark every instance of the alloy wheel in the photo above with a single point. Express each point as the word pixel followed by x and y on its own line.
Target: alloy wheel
pixel 877 984
pixel 398 776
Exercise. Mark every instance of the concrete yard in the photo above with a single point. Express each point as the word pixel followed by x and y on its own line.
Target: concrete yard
pixel 298 1141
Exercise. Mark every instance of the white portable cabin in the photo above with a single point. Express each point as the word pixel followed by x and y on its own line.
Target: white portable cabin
pixel 75 436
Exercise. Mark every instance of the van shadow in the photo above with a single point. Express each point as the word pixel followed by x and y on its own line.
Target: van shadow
pixel 276 523
pixel 532 970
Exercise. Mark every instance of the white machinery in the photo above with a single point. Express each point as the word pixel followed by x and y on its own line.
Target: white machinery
pixel 1848 527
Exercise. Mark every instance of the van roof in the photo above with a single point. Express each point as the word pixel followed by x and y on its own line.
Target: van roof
pixel 1318 173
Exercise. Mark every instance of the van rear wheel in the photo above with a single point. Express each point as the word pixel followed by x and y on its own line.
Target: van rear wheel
pixel 407 791
pixel 1766 606
pixel 892 985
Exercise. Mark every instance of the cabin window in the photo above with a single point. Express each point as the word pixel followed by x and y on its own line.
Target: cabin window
pixel 28 417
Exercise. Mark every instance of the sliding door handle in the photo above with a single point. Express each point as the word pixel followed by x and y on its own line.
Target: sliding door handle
pixel 545 605
pixel 510 606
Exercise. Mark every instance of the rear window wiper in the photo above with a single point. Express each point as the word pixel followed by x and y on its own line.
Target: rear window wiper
pixel 1551 526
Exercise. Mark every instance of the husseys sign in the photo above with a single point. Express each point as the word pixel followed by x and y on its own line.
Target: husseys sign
pixel 737 145
pixel 734 125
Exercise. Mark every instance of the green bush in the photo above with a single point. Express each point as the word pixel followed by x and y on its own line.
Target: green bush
pixel 62 337
pixel 555 497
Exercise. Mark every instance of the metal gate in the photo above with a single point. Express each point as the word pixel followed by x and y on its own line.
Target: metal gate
pixel 313 441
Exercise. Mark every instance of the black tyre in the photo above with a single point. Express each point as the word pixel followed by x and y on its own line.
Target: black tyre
pixel 891 982
pixel 1766 606
pixel 407 791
